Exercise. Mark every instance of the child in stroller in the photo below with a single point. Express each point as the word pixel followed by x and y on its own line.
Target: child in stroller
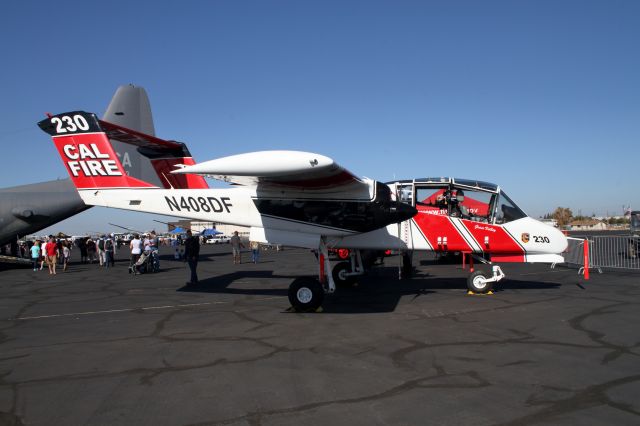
pixel 149 261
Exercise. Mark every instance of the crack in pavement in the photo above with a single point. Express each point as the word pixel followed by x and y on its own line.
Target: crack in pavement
pixel 582 399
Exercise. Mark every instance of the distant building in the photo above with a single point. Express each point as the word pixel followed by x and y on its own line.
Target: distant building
pixel 588 225
pixel 199 226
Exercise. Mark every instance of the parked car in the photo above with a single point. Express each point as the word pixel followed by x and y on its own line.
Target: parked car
pixel 218 239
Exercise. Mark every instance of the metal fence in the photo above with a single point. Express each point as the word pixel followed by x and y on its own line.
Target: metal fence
pixel 604 252
pixel 617 252
pixel 574 256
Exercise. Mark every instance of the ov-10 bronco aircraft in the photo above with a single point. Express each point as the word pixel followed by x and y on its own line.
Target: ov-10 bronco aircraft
pixel 305 200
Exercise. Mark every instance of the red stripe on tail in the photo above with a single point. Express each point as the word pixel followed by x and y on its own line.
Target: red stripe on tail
pixel 164 167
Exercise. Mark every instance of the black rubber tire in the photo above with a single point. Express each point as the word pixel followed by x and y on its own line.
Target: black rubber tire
pixel 477 284
pixel 306 294
pixel 338 275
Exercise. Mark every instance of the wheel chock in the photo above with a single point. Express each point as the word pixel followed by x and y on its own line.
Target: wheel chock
pixel 471 293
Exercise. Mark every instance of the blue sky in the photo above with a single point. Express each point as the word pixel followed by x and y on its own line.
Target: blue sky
pixel 540 97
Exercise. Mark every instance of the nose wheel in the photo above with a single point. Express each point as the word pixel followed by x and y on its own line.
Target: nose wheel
pixel 477 282
pixel 481 282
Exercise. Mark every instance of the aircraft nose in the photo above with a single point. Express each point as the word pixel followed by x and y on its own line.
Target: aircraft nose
pixel 399 212
pixel 562 241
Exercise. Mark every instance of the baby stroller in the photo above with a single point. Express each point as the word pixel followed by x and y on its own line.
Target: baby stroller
pixel 143 265
pixel 154 260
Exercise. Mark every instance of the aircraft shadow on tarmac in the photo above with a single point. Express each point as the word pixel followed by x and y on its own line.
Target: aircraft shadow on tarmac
pixel 221 284
pixel 376 293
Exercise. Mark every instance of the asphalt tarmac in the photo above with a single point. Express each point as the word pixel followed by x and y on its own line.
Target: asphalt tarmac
pixel 100 346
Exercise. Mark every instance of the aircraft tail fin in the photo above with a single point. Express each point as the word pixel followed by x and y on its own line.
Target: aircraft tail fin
pixel 84 144
pixel 87 153
pixel 129 125
pixel 130 108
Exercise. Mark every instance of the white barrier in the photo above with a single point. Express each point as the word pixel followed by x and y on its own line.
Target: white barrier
pixel 577 256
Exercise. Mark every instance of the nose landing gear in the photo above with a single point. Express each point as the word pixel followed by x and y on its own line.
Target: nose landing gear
pixel 479 282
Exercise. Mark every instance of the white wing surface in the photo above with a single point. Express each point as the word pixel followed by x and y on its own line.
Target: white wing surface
pixel 290 169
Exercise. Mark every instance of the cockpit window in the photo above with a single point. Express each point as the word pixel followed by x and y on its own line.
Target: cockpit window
pixel 475 205
pixel 507 210
pixel 432 199
pixel 405 194
pixel 456 201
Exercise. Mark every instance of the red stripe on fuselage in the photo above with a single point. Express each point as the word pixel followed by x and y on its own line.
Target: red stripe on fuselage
pixel 436 226
pixel 494 239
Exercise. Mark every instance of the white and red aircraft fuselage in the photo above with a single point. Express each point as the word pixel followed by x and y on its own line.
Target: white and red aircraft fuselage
pixel 305 200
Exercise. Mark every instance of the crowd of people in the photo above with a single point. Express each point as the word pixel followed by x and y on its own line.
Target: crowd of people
pixel 55 252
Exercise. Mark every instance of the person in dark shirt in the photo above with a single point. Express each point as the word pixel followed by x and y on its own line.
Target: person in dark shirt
pixel 191 253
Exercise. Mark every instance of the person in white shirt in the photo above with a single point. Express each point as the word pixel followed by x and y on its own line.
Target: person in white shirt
pixel 66 254
pixel 136 249
pixel 43 253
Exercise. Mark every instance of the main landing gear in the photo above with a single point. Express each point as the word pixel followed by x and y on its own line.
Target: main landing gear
pixel 306 294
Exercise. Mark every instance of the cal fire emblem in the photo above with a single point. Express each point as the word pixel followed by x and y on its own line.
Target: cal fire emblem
pixel 90 160
pixel 525 237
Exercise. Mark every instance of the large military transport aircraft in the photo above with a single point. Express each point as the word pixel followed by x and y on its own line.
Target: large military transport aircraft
pixel 306 200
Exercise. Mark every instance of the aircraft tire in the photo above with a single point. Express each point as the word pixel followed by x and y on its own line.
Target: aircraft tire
pixel 306 294
pixel 477 282
pixel 339 277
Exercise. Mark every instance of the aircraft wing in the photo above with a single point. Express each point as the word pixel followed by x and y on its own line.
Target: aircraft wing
pixel 294 169
pixel 290 169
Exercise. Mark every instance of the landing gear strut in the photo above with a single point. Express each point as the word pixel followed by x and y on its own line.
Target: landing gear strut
pixel 346 274
pixel 306 294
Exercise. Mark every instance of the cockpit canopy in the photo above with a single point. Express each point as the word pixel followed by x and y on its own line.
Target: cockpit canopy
pixel 467 199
